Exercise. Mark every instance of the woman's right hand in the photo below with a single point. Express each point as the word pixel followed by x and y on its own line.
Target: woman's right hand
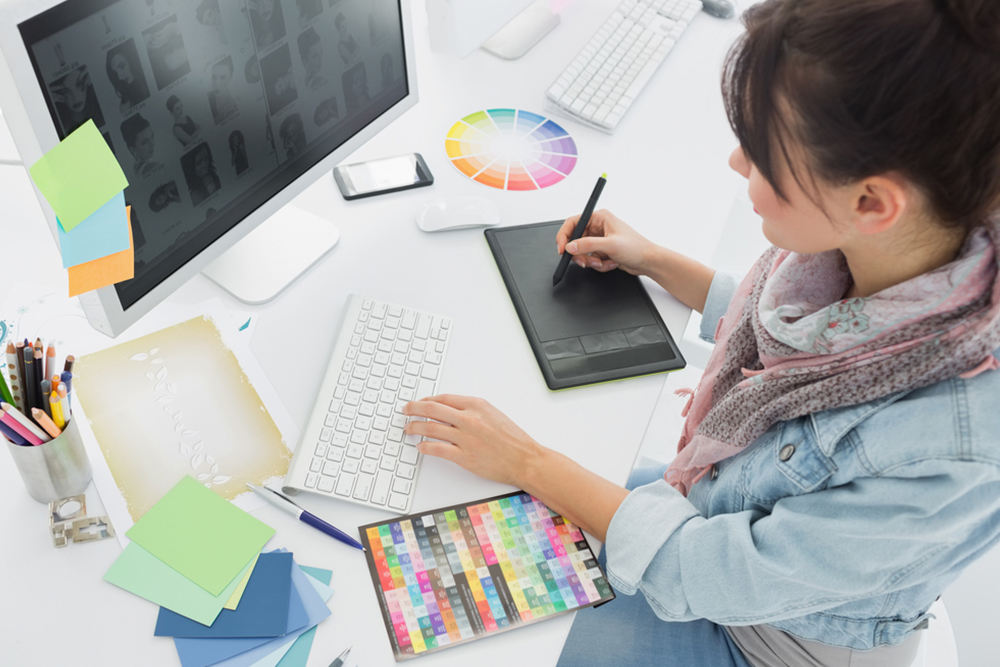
pixel 607 243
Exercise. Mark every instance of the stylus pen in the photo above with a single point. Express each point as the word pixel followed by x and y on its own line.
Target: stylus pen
pixel 281 501
pixel 581 225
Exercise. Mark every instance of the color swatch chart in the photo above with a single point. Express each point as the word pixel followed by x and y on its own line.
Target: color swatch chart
pixel 511 149
pixel 464 572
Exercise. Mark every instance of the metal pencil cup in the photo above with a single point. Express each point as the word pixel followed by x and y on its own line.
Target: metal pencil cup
pixel 54 469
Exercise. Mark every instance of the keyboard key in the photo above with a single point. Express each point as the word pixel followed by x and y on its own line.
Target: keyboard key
pixel 350 465
pixel 380 490
pixel 321 450
pixel 339 440
pixel 332 468
pixel 355 451
pixel 387 463
pixel 369 466
pixel 345 484
pixel 405 470
pixel 363 486
pixel 397 501
pixel 326 484
pixel 326 434
pixel 336 453
pixel 316 465
pixel 373 452
pixel 311 480
pixel 401 485
pixel 409 454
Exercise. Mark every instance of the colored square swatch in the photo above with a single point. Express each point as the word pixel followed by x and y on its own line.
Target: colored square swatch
pixel 79 175
pixel 201 535
pixel 259 613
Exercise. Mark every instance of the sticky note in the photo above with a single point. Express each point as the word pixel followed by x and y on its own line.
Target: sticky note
pixel 140 573
pixel 106 270
pixel 258 615
pixel 201 535
pixel 313 594
pixel 79 175
pixel 103 233
pixel 234 599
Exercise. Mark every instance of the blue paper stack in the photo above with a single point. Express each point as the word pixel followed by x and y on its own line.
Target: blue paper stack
pixel 273 624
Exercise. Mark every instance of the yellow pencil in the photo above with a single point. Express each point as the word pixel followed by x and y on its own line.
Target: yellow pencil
pixel 45 422
pixel 57 414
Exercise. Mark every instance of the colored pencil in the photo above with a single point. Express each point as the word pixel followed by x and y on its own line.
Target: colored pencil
pixel 5 391
pixel 12 435
pixel 21 429
pixel 19 352
pixel 68 366
pixel 67 379
pixel 46 392
pixel 14 373
pixel 50 360
pixel 46 422
pixel 9 410
pixel 39 375
pixel 57 412
pixel 31 388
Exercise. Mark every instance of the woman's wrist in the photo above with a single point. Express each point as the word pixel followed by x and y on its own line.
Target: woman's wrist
pixel 530 474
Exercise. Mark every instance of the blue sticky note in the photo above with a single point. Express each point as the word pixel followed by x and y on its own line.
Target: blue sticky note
pixel 103 233
pixel 237 652
pixel 257 615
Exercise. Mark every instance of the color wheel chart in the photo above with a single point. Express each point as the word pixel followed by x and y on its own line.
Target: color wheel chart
pixel 511 149
pixel 460 573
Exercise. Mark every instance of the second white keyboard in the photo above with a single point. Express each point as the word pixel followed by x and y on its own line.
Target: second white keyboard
pixel 353 447
pixel 606 76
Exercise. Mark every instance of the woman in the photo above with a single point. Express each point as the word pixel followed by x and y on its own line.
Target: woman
pixel 840 462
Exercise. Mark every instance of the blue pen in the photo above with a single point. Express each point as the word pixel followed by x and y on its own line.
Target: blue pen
pixel 281 501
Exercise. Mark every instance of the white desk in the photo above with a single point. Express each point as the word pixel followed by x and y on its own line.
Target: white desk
pixel 668 177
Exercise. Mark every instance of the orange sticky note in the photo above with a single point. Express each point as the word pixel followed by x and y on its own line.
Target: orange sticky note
pixel 105 270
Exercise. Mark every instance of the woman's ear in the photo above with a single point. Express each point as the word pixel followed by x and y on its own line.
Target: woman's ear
pixel 879 202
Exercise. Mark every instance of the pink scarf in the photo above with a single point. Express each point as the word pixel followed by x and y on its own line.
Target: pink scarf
pixel 789 345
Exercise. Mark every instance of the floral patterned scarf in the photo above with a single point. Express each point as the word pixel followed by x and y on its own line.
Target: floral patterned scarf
pixel 789 345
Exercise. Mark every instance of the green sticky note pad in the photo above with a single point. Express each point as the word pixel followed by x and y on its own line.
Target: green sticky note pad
pixel 201 535
pixel 79 175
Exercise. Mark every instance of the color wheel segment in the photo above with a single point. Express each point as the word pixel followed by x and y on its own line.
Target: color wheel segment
pixel 511 149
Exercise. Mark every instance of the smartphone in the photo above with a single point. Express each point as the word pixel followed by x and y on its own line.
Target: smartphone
pixel 365 179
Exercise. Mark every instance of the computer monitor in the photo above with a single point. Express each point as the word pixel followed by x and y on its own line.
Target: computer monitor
pixel 219 111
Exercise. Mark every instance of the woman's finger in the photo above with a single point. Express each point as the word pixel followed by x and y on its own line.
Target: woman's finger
pixel 457 401
pixel 444 450
pixel 432 409
pixel 434 430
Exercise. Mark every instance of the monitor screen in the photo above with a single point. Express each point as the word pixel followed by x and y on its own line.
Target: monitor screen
pixel 213 106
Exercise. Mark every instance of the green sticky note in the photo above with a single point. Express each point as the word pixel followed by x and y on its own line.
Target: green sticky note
pixel 201 535
pixel 79 175
pixel 140 573
pixel 241 586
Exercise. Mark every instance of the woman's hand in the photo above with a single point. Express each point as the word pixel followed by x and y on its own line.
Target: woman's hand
pixel 475 435
pixel 607 244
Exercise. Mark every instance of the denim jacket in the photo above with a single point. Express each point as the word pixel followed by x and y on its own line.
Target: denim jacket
pixel 841 527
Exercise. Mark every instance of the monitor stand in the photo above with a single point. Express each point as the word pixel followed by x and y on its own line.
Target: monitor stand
pixel 523 31
pixel 274 254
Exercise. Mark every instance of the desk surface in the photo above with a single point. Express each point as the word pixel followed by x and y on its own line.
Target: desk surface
pixel 668 177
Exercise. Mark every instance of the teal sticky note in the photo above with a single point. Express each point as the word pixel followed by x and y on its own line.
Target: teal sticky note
pixel 79 175
pixel 103 233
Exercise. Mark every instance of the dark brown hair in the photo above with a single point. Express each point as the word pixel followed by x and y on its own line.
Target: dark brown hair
pixel 868 87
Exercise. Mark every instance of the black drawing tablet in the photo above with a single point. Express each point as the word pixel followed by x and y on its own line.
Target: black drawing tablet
pixel 592 327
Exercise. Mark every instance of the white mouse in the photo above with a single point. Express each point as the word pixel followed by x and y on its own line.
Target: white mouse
pixel 458 213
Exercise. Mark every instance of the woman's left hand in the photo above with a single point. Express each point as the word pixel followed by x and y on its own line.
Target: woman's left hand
pixel 475 435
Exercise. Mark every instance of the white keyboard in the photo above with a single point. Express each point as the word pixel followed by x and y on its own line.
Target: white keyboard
pixel 353 447
pixel 608 74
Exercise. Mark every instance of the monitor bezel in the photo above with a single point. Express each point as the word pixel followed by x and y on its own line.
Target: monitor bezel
pixel 34 132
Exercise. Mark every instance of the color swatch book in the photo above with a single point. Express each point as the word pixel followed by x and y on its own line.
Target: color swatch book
pixel 460 573
pixel 511 149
